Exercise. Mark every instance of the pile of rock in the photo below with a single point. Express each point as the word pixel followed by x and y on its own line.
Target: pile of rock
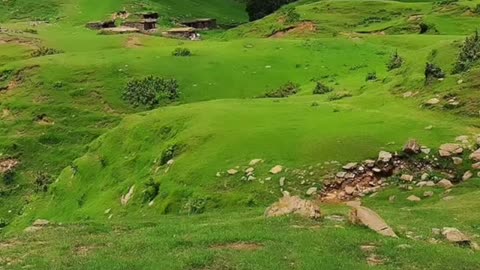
pixel 8 165
pixel 360 179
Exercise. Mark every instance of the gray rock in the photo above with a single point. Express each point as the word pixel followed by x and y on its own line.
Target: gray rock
pixel 367 217
pixel 311 191
pixel 467 175
pixel 412 147
pixel 445 183
pixel 276 170
pixel 428 194
pixel 457 160
pixel 413 198
pixel 384 156
pixel 350 166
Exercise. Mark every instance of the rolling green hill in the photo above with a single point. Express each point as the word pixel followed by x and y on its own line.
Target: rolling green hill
pixel 81 147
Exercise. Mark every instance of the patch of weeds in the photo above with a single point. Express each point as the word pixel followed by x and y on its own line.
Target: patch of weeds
pixel 371 76
pixel 339 95
pixel 3 223
pixel 43 51
pixel 432 55
pixel 321 89
pixel 469 53
pixel 357 67
pixel 283 91
pixel 151 91
pixel 181 52
pixel 30 31
pixel 42 182
pixel 291 15
pixel 396 61
pixel 433 72
pixel 151 191
pixel 49 139
pixel 169 153
pixel 195 205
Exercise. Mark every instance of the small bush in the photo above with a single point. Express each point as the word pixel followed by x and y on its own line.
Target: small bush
pixel 283 91
pixel 371 76
pixel 291 15
pixel 195 205
pixel 469 54
pixel 42 51
pixel 151 91
pixel 476 10
pixel 42 181
pixel 181 52
pixel 433 72
pixel 321 89
pixel 169 153
pixel 396 61
pixel 152 188
pixel 339 95
pixel 8 177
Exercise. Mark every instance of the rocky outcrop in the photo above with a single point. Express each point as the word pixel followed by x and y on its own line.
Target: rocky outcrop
pixel 293 205
pixel 364 216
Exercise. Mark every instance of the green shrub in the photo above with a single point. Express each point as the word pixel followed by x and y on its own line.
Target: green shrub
pixel 151 91
pixel 195 205
pixel 476 10
pixel 469 54
pixel 152 188
pixel 433 72
pixel 321 89
pixel 371 76
pixel 181 52
pixel 283 91
pixel 339 95
pixel 169 153
pixel 42 181
pixel 42 51
pixel 291 15
pixel 396 61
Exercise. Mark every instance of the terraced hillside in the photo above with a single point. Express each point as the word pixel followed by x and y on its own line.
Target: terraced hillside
pixel 310 88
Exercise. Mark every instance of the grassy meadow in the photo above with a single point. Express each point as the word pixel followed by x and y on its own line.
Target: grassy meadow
pixel 63 116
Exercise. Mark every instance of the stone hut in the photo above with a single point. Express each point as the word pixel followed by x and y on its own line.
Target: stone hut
pixel 183 32
pixel 100 25
pixel 201 23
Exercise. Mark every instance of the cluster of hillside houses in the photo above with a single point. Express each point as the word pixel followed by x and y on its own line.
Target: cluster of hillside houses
pixel 147 23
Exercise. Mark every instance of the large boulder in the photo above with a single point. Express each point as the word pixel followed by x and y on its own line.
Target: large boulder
pixel 293 205
pixel 445 183
pixel 454 235
pixel 364 216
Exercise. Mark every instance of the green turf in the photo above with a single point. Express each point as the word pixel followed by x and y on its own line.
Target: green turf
pixel 98 146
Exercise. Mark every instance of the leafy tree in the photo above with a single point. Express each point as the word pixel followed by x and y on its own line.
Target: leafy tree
pixel 258 9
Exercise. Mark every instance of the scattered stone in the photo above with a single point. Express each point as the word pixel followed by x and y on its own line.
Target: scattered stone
pixel 254 162
pixel 170 162
pixel 249 170
pixel 432 101
pixel 37 225
pixel 369 163
pixel 311 191
pixel 232 171
pixel 106 212
pixel 476 166
pixel 374 260
pixel 448 198
pixel 367 217
pixel 368 248
pixel 293 205
pixel 8 165
pixel 407 177
pixel 384 156
pixel 430 184
pixel 341 174
pixel 404 246
pixel 336 218
pixel 467 175
pixel 412 147
pixel 151 203
pixel 282 181
pixel 392 198
pixel 450 149
pixel 218 174
pixel 413 198
pixel 445 183
pixel 350 166
pixel 429 127
pixel 276 170
pixel 407 94
pixel 424 176
pixel 460 81
pixel 428 194
pixel 457 160
pixel 475 156
pixel 455 236
pixel 349 190
pixel 436 231
pixel 425 150
pixel 125 198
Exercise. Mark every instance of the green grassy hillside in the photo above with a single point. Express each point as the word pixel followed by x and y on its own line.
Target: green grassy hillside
pixel 63 118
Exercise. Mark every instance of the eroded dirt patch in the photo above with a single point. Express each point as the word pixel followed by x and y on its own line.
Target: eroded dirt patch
pixel 238 246
pixel 133 42
pixel 301 29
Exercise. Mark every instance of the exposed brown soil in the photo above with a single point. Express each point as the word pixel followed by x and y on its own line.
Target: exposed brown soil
pixel 238 246
pixel 301 29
